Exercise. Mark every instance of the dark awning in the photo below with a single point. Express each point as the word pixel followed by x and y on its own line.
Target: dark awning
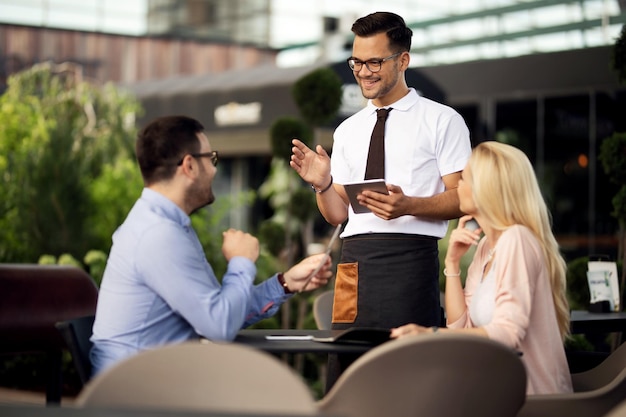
pixel 541 74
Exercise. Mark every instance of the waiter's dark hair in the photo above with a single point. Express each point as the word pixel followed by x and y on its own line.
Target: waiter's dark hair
pixel 397 31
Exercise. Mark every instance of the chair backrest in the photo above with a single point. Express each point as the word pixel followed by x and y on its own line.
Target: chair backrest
pixel 596 392
pixel 323 310
pixel 195 376
pixel 77 333
pixel 602 374
pixel 618 411
pixel 431 375
pixel 595 403
pixel 36 297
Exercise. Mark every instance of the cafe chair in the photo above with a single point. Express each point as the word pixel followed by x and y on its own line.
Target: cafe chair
pixel 207 377
pixel 77 333
pixel 618 411
pixel 34 298
pixel 323 310
pixel 603 373
pixel 449 375
pixel 596 391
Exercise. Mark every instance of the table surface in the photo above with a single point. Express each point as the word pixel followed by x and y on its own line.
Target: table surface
pixel 582 321
pixel 257 338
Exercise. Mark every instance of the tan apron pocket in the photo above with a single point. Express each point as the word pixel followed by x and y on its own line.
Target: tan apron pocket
pixel 346 293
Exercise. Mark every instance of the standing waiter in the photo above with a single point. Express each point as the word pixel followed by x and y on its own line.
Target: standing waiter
pixel 389 270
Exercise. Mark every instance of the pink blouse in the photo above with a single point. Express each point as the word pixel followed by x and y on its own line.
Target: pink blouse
pixel 524 317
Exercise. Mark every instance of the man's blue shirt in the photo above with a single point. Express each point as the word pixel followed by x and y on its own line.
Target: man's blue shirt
pixel 158 287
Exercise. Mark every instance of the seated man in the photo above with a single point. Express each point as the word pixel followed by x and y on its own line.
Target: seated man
pixel 158 287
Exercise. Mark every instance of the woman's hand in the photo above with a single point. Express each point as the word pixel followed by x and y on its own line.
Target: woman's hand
pixel 409 330
pixel 461 239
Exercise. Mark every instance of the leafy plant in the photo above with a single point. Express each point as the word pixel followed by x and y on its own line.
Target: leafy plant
pixel 283 130
pixel 618 56
pixel 272 236
pixel 613 158
pixel 577 284
pixel 58 133
pixel 318 96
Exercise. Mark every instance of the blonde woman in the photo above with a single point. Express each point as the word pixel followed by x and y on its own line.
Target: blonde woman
pixel 515 285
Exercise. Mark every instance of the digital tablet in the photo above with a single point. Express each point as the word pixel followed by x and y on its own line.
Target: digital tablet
pixel 367 335
pixel 354 188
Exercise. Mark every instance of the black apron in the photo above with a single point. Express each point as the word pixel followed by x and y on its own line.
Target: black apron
pixel 385 280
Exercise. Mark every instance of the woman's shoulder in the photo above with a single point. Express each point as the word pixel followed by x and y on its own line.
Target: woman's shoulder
pixel 518 230
pixel 518 234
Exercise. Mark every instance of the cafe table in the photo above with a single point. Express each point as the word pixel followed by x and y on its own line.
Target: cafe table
pixel 278 341
pixel 582 321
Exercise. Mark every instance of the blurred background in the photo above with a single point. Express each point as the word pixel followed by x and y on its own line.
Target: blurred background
pixel 533 73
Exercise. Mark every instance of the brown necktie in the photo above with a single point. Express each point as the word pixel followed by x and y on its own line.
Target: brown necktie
pixel 376 158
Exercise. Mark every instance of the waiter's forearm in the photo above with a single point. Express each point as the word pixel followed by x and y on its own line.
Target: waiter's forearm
pixel 443 206
pixel 332 206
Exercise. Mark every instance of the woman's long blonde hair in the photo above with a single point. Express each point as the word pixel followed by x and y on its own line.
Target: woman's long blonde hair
pixel 506 192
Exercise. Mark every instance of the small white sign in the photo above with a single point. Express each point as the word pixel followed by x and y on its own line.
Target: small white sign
pixel 232 114
pixel 603 285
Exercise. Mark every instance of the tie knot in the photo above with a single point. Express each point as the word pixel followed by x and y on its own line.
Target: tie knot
pixel 381 114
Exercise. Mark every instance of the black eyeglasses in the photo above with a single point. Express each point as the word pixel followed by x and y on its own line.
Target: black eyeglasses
pixel 374 65
pixel 212 155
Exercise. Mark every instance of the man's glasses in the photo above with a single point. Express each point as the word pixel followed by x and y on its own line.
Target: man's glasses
pixel 212 155
pixel 373 65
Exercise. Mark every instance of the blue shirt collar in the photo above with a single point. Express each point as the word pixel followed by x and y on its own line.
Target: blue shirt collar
pixel 165 207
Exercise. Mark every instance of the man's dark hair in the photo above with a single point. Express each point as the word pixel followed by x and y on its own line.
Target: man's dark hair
pixel 164 142
pixel 390 23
